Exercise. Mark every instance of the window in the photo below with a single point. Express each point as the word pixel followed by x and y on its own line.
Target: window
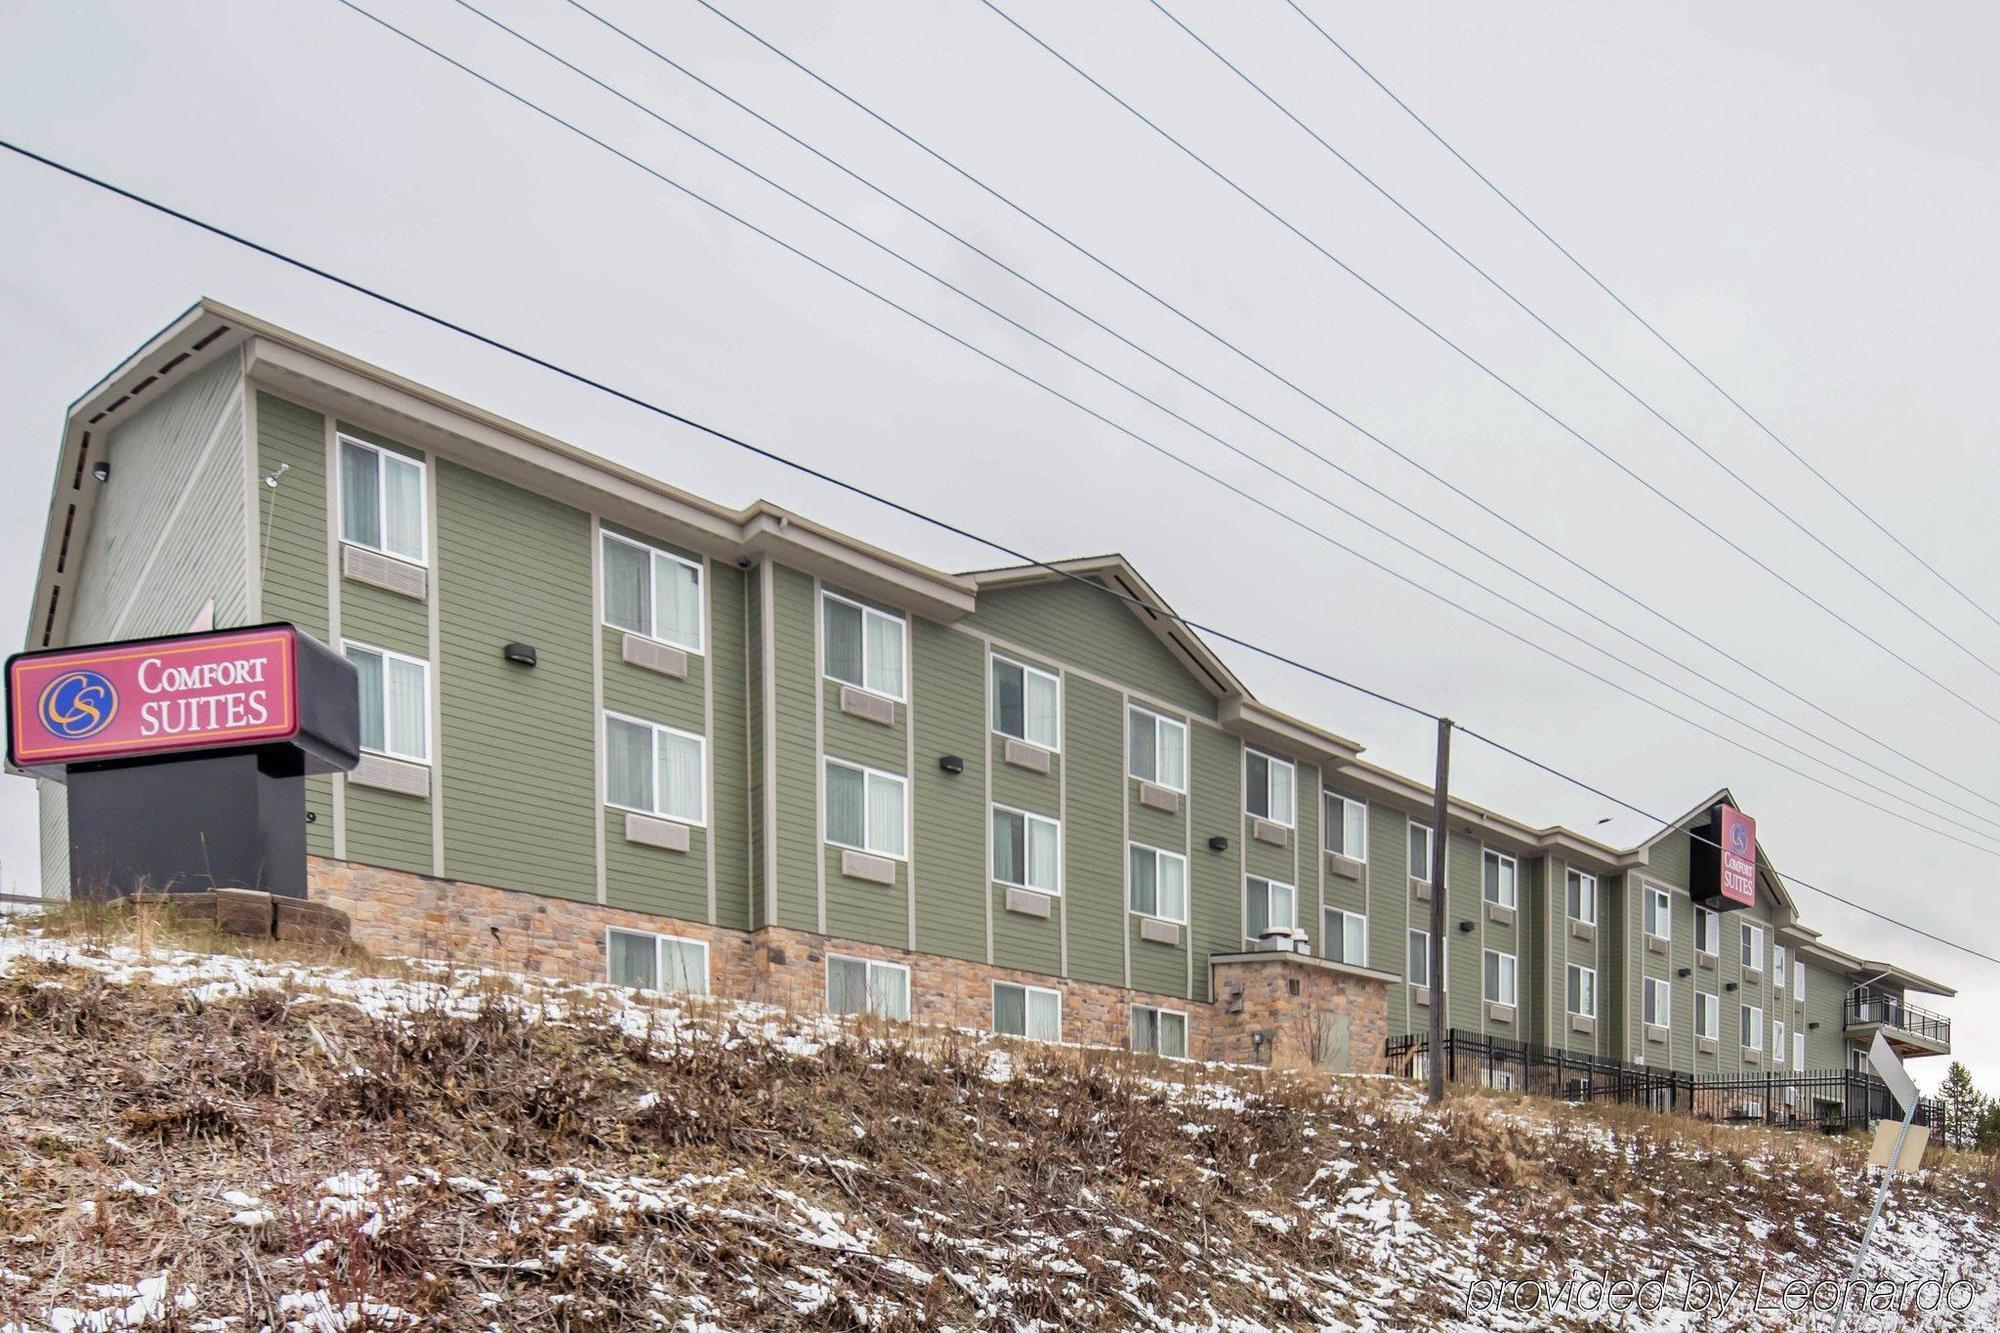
pixel 654 770
pixel 657 962
pixel 1158 750
pixel 1659 1004
pixel 1420 960
pixel 1582 891
pixel 1778 966
pixel 1159 1032
pixel 649 592
pixel 381 500
pixel 1027 850
pixel 1347 937
pixel 1502 978
pixel 1499 873
pixel 1267 787
pixel 1027 703
pixel 1027 1011
pixel 1753 948
pixel 1799 980
pixel 1267 905
pixel 1707 1015
pixel 864 646
pixel 1659 914
pixel 1778 1043
pixel 1346 827
pixel 1420 852
pixel 1799 1051
pixel 1159 883
pixel 864 809
pixel 395 702
pixel 864 986
pixel 1707 932
pixel 1583 991
pixel 1753 1028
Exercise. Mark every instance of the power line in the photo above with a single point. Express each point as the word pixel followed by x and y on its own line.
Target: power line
pixel 1480 365
pixel 1226 444
pixel 1161 450
pixel 1741 481
pixel 1407 459
pixel 1644 323
pixel 853 488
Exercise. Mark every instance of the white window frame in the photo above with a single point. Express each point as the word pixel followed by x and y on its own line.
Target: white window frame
pixel 1510 882
pixel 1130 886
pixel 1586 881
pixel 1335 815
pixel 1587 989
pixel 1662 1007
pixel 1710 1004
pixel 1799 979
pixel 1158 720
pixel 1752 954
pixel 652 587
pixel 1713 919
pixel 1430 850
pixel 1425 935
pixel 1666 914
pixel 1506 976
pixel 866 611
pixel 1268 884
pixel 388 655
pixel 1027 669
pixel 700 821
pixel 870 966
pixel 1798 1051
pixel 1778 967
pixel 422 466
pixel 1778 1051
pixel 659 941
pixel 1159 1012
pixel 1752 1025
pixel 1271 762
pixel 1029 818
pixel 1028 991
pixel 867 833
pixel 1340 934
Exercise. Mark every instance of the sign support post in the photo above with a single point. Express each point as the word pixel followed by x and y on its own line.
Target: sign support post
pixel 1905 1092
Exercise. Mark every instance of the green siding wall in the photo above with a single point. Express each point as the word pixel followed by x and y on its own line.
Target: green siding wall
pixel 948 702
pixel 1215 879
pixel 519 768
pixel 1093 832
pixel 795 767
pixel 1086 628
pixel 757 755
pixel 729 820
pixel 292 540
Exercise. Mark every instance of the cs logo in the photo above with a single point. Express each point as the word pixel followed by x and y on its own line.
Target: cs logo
pixel 78 704
pixel 1739 840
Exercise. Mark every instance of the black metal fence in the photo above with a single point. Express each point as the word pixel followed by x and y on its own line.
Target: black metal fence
pixel 1832 1102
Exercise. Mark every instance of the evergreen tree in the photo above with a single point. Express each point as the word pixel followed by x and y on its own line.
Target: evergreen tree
pixel 1960 1106
pixel 1987 1137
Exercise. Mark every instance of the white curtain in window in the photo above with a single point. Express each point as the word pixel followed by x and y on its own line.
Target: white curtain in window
pixel 678 588
pixel 1353 938
pixel 632 960
pixel 1010 851
pixel 368 666
pixel 409 710
pixel 1044 1016
pixel 1039 710
pixel 683 966
pixel 846 985
pixel 360 496
pixel 846 818
pixel 1256 908
pixel 1043 856
pixel 1010 1011
pixel 889 993
pixel 885 655
pixel 628 764
pixel 403 507
pixel 680 784
pixel 1281 905
pixel 1172 888
pixel 628 587
pixel 1172 755
pixel 885 815
pixel 1281 792
pixel 1145 1030
pixel 1145 881
pixel 1173 1035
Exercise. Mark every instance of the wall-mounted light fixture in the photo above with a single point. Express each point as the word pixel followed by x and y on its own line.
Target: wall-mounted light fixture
pixel 1684 972
pixel 101 469
pixel 521 654
pixel 1812 1027
pixel 1465 927
pixel 1729 985
pixel 951 763
pixel 1218 843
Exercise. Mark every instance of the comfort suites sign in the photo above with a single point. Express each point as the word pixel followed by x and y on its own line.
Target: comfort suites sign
pixel 123 700
pixel 1739 856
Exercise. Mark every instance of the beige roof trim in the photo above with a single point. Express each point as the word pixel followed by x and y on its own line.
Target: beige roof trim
pixel 1488 825
pixel 1269 729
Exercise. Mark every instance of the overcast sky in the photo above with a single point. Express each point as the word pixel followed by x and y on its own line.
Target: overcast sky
pixel 1801 195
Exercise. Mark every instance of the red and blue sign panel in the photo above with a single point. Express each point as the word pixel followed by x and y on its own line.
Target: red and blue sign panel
pixel 1738 836
pixel 121 700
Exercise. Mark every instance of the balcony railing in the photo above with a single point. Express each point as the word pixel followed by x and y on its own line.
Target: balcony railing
pixel 1865 1008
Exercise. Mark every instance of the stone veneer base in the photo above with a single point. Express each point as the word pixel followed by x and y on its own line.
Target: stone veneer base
pixel 397 912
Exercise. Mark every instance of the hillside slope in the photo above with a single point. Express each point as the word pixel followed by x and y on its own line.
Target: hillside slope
pixel 204 1142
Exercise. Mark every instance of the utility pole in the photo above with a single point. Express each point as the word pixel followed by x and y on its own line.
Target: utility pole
pixel 1440 840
